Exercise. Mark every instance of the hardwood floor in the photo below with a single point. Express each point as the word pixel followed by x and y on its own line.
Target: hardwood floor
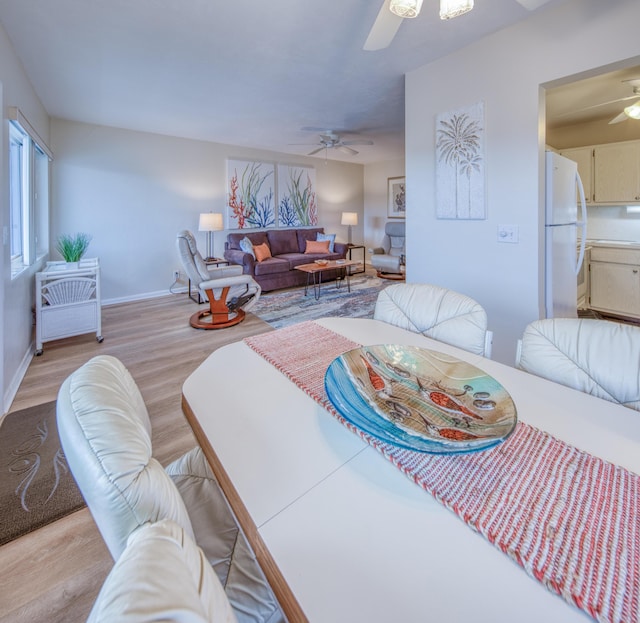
pixel 54 573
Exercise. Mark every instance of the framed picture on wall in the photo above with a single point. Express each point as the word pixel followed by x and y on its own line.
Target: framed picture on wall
pixel 396 197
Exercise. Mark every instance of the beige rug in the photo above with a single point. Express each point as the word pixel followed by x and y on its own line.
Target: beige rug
pixel 36 486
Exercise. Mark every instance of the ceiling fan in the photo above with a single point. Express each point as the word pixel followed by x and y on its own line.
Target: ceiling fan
pixel 330 139
pixel 393 12
pixel 632 111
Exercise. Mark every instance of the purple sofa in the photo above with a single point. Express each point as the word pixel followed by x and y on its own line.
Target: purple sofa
pixel 287 249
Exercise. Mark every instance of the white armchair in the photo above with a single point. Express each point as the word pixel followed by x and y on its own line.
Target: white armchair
pixel 105 433
pixel 389 259
pixel 229 292
pixel 598 357
pixel 438 313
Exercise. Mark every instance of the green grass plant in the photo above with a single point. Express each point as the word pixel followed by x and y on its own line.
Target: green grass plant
pixel 73 247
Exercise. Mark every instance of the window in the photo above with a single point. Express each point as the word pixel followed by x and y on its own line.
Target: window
pixel 28 194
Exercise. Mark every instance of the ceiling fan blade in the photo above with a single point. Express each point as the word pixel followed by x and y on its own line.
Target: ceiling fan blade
pixel 384 29
pixel 315 151
pixel 357 142
pixel 347 150
pixel 621 117
pixel 620 99
pixel 532 5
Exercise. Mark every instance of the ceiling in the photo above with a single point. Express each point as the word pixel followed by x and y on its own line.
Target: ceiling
pixel 250 73
pixel 596 98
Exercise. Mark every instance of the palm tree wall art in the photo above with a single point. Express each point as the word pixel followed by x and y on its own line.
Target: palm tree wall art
pixel 460 163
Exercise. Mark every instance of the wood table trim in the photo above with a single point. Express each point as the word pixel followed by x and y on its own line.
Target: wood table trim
pixel 283 593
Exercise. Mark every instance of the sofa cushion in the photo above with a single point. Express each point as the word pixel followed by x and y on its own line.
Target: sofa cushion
pixel 271 266
pixel 330 237
pixel 317 246
pixel 257 237
pixel 247 246
pixel 262 252
pixel 307 234
pixel 282 241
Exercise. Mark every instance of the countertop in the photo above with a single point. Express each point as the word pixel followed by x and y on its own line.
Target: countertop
pixel 620 244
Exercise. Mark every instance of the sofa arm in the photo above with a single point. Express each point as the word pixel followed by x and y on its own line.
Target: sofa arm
pixel 341 248
pixel 246 260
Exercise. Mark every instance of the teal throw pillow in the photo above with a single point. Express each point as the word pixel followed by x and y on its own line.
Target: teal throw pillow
pixel 330 237
pixel 247 246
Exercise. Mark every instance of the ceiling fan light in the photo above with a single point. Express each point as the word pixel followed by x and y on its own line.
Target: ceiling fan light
pixel 405 8
pixel 453 8
pixel 633 111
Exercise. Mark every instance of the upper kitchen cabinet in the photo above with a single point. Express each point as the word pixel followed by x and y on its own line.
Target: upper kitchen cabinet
pixel 583 156
pixel 616 169
pixel 610 173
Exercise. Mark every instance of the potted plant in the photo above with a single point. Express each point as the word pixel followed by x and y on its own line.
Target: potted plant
pixel 73 247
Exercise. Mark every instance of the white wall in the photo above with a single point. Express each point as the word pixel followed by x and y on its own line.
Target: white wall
pixel 505 70
pixel 375 200
pixel 133 191
pixel 17 295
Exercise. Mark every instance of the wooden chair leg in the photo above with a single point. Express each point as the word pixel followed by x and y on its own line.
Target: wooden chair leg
pixel 218 315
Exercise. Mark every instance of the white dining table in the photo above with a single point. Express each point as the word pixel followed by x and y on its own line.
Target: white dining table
pixel 342 534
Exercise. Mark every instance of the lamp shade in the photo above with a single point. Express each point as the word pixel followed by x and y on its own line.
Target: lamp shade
pixel 453 8
pixel 210 221
pixel 405 8
pixel 349 218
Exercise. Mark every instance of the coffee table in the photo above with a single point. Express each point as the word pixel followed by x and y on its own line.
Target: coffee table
pixel 314 274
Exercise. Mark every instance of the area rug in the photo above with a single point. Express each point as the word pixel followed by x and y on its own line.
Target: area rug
pixel 36 485
pixel 285 307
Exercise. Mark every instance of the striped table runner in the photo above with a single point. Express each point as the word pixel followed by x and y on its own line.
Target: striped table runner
pixel 571 520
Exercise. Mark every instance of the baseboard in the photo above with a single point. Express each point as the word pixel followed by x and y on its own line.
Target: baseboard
pixel 13 387
pixel 143 296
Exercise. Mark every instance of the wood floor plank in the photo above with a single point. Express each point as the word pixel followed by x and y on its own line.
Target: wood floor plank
pixel 54 573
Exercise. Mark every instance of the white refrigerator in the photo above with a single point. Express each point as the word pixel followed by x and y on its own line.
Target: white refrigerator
pixel 565 235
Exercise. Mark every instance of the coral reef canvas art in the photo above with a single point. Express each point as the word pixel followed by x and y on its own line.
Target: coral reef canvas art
pixel 297 206
pixel 250 194
pixel 460 172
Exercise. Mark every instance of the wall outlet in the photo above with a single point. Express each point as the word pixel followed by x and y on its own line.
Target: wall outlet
pixel 176 274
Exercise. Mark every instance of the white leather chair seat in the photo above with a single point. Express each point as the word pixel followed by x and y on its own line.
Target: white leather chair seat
pixel 389 258
pixel 436 312
pixel 598 357
pixel 162 575
pixel 105 432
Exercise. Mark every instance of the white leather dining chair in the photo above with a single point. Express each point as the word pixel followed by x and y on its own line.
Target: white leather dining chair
pixel 105 433
pixel 162 575
pixel 438 313
pixel 598 357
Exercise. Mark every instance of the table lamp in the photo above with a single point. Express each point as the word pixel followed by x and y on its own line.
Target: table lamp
pixel 210 222
pixel 350 219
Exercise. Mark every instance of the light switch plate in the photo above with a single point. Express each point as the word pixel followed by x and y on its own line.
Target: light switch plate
pixel 508 233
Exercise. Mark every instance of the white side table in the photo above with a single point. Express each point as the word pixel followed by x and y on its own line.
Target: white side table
pixel 68 301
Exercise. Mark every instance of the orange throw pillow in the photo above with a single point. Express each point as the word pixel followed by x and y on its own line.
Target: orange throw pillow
pixel 317 246
pixel 262 251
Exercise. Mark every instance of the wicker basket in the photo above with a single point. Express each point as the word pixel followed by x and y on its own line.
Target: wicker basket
pixel 72 290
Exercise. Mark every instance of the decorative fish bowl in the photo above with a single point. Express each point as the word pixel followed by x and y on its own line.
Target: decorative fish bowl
pixel 420 399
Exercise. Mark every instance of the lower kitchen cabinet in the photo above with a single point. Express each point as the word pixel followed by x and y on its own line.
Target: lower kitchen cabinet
pixel 614 276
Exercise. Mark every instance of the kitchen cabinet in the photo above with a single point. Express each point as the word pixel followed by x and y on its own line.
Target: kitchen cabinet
pixel 583 156
pixel 614 280
pixel 617 173
pixel 610 173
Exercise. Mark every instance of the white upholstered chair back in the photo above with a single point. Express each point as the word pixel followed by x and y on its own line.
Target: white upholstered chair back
pixel 162 575
pixel 598 357
pixel 105 433
pixel 106 437
pixel 192 261
pixel 438 313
